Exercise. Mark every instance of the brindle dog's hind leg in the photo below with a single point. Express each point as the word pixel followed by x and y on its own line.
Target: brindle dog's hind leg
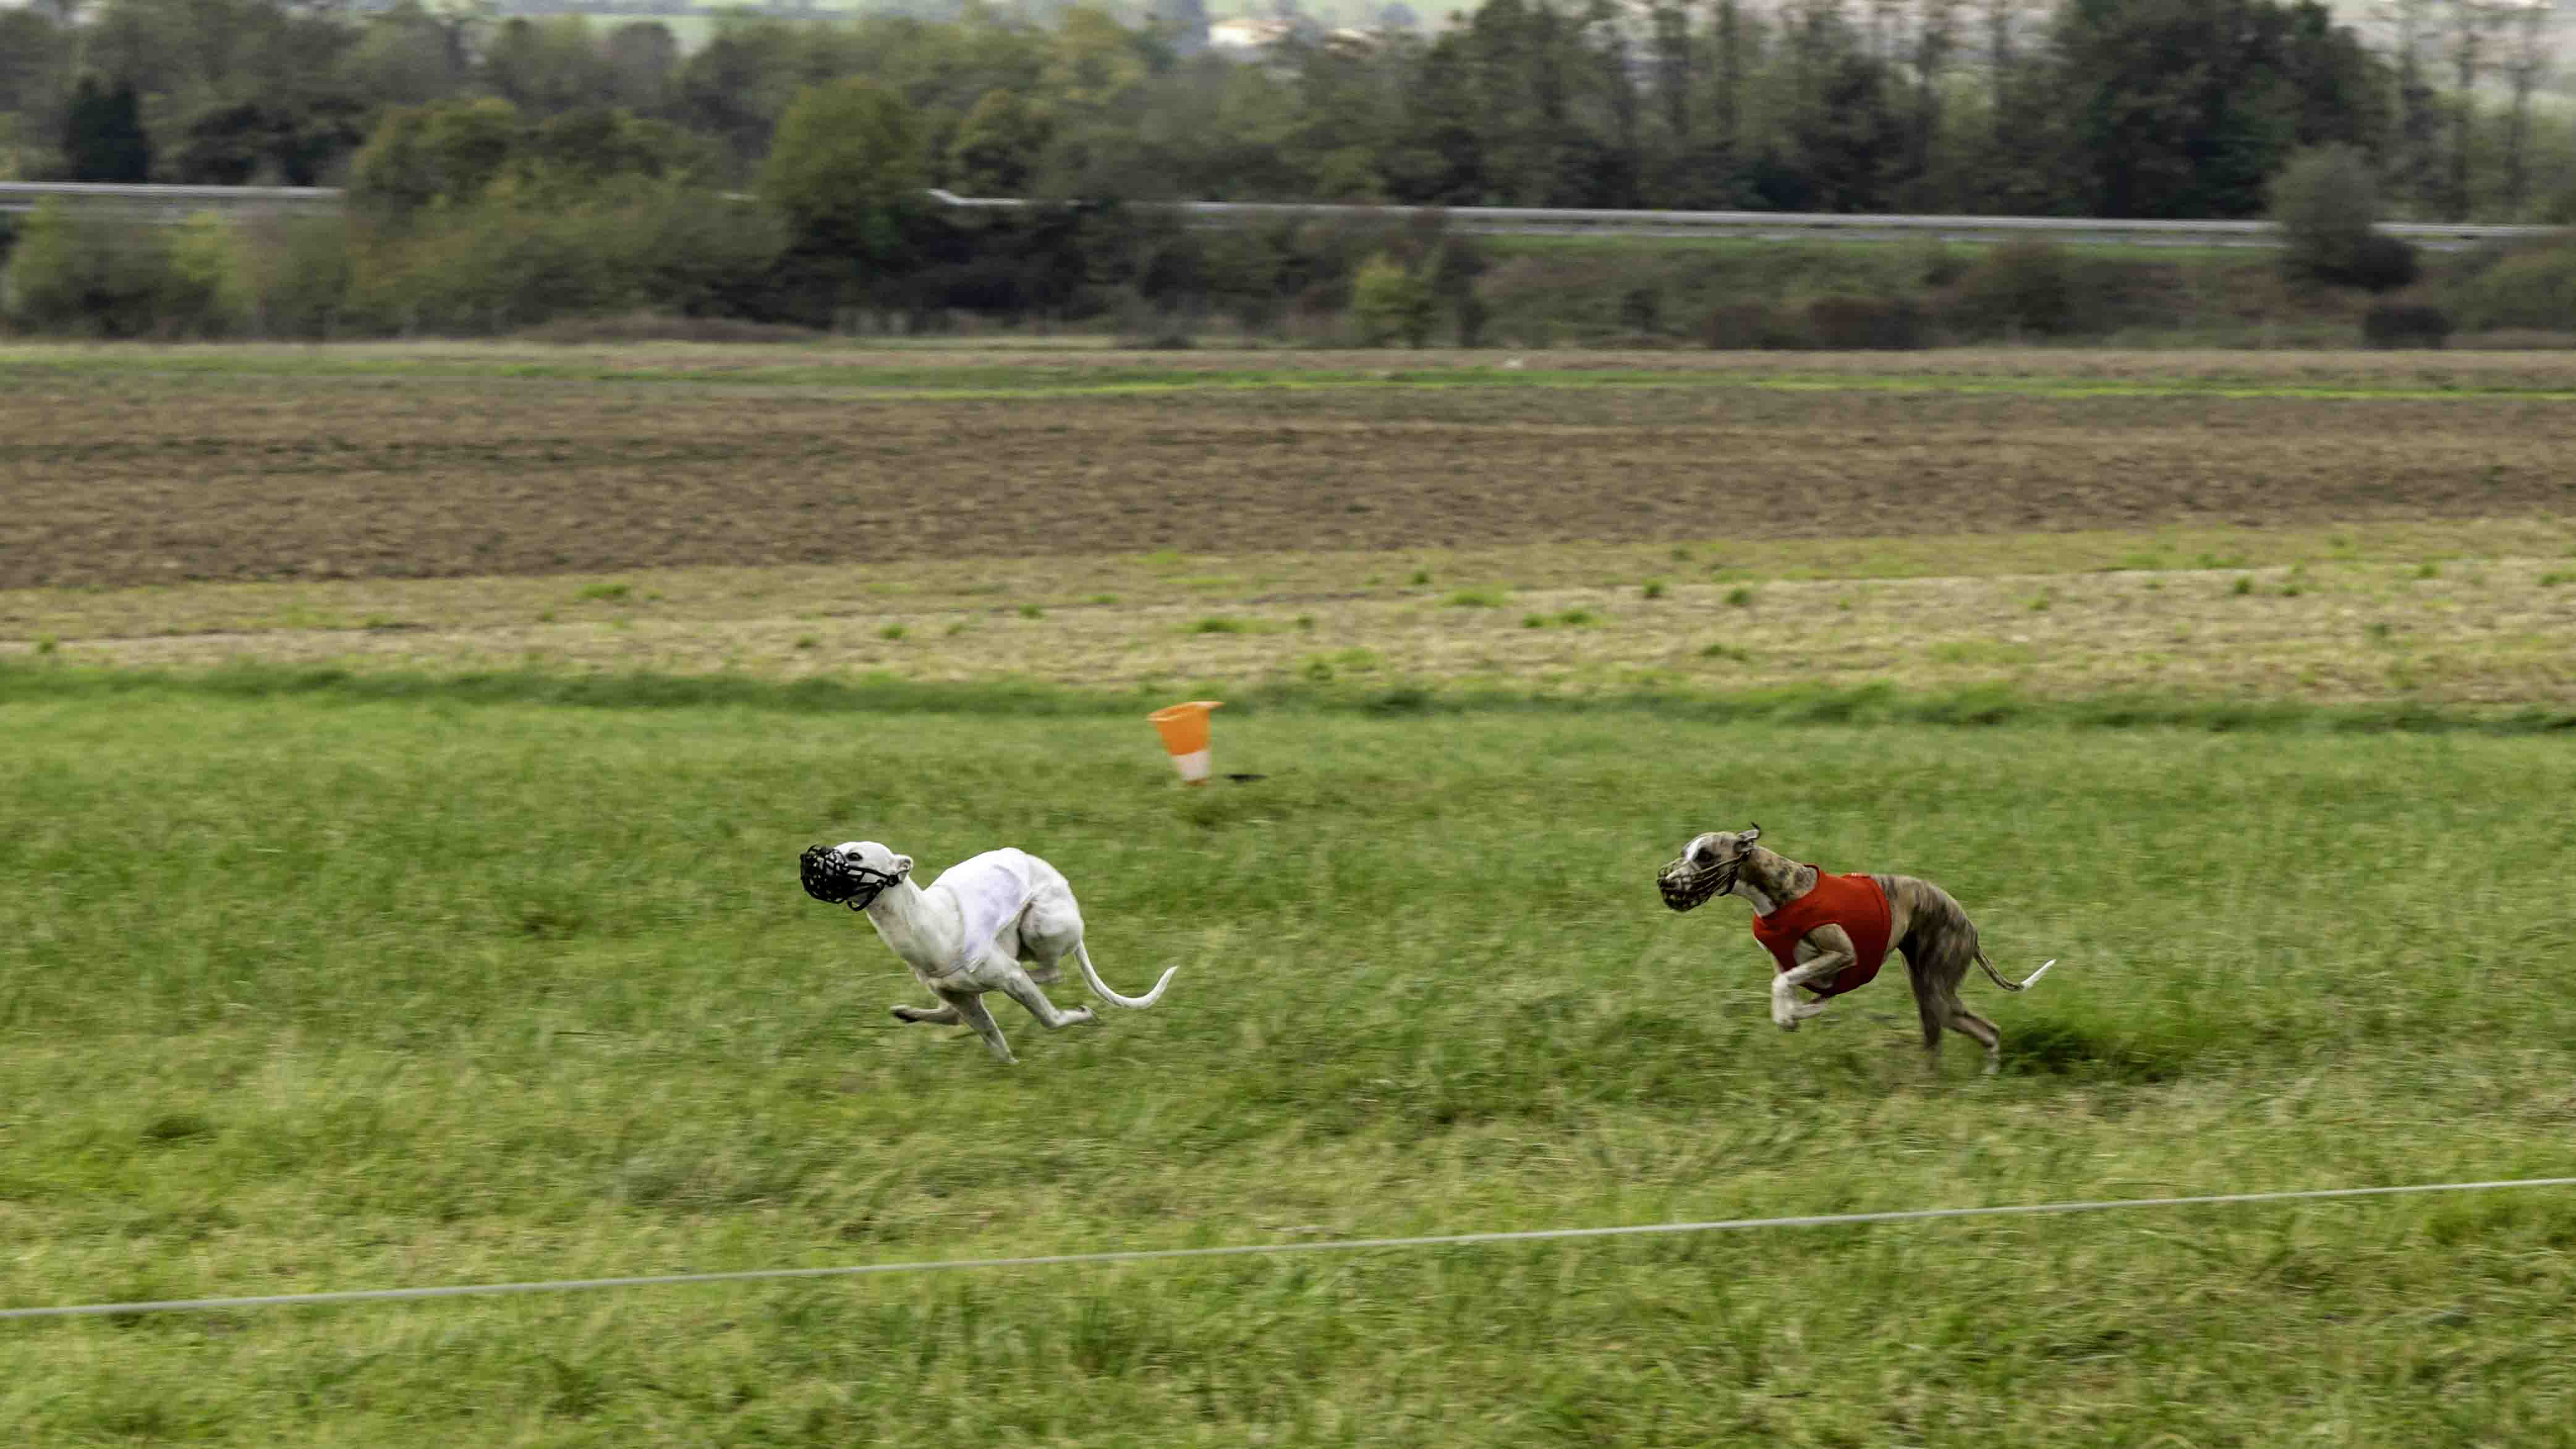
pixel 928 1015
pixel 1936 999
pixel 1962 1019
pixel 1929 1005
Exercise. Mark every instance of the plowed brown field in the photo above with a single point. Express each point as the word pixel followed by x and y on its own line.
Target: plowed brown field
pixel 2341 528
pixel 128 478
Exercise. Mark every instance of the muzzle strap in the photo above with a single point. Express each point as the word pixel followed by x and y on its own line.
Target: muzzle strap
pixel 835 879
pixel 1685 885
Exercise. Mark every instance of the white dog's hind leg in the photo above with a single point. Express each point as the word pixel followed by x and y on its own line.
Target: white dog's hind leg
pixel 1017 984
pixel 1082 958
pixel 987 1028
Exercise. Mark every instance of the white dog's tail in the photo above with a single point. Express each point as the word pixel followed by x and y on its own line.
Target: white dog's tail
pixel 2023 984
pixel 1100 988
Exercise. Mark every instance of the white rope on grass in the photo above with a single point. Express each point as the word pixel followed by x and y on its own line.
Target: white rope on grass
pixel 1239 1250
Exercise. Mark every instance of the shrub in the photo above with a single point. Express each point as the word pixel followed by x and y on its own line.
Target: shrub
pixel 205 285
pixel 2327 206
pixel 1742 326
pixel 517 259
pixel 1853 324
pixel 1472 314
pixel 1641 309
pixel 1388 301
pixel 2020 287
pixel 2534 288
pixel 2384 264
pixel 298 272
pixel 2405 324
pixel 72 275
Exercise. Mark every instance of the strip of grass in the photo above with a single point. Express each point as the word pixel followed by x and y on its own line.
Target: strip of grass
pixel 1087 378
pixel 1980 707
pixel 313 990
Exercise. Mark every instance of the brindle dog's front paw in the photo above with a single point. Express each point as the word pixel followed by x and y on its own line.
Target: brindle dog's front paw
pixel 906 1013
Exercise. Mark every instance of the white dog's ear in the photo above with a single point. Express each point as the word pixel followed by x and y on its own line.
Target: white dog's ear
pixel 902 867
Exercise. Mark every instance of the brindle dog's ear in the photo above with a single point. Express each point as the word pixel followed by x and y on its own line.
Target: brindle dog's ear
pixel 1751 834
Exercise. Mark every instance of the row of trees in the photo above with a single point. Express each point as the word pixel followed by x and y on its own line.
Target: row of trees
pixel 2107 107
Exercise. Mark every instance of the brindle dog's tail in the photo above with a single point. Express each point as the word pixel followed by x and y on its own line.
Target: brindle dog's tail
pixel 2023 984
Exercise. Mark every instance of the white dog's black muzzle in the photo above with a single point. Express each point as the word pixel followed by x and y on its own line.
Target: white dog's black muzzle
pixel 836 879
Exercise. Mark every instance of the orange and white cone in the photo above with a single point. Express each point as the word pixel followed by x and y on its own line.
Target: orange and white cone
pixel 1184 728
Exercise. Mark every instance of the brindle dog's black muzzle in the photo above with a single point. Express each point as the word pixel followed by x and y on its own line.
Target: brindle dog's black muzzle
pixel 836 879
pixel 1686 886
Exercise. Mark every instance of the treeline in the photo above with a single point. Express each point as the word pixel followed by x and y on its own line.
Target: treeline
pixel 2092 107
pixel 505 174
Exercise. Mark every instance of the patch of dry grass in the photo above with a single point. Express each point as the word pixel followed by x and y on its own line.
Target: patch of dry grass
pixel 2533 370
pixel 2344 615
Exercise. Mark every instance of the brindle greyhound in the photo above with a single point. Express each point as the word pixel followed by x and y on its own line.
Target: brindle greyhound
pixel 1830 935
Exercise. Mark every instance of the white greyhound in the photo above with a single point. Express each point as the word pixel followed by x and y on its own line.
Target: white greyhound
pixel 970 931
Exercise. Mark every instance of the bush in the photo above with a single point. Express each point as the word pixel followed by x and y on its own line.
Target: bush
pixel 1641 309
pixel 1473 314
pixel 1865 324
pixel 2326 204
pixel 1744 326
pixel 662 327
pixel 514 261
pixel 2405 324
pixel 205 287
pixel 2533 288
pixel 84 276
pixel 2020 287
pixel 298 272
pixel 2384 264
pixel 1388 301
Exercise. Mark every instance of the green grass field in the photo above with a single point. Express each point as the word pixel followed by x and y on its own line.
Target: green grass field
pixel 321 988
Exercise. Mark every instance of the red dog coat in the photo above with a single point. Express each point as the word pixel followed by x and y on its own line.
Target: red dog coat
pixel 1853 902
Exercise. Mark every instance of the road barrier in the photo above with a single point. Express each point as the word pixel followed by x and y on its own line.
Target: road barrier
pixel 174 203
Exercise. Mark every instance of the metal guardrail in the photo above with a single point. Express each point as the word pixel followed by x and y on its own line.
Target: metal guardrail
pixel 172 203
pixel 169 203
pixel 1789 225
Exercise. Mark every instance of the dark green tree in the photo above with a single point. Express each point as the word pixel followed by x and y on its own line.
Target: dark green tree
pixel 997 149
pixel 740 82
pixel 448 153
pixel 2187 107
pixel 1436 155
pixel 103 137
pixel 643 66
pixel 846 174
pixel 547 67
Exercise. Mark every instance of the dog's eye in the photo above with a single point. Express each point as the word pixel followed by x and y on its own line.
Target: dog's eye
pixel 1706 853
